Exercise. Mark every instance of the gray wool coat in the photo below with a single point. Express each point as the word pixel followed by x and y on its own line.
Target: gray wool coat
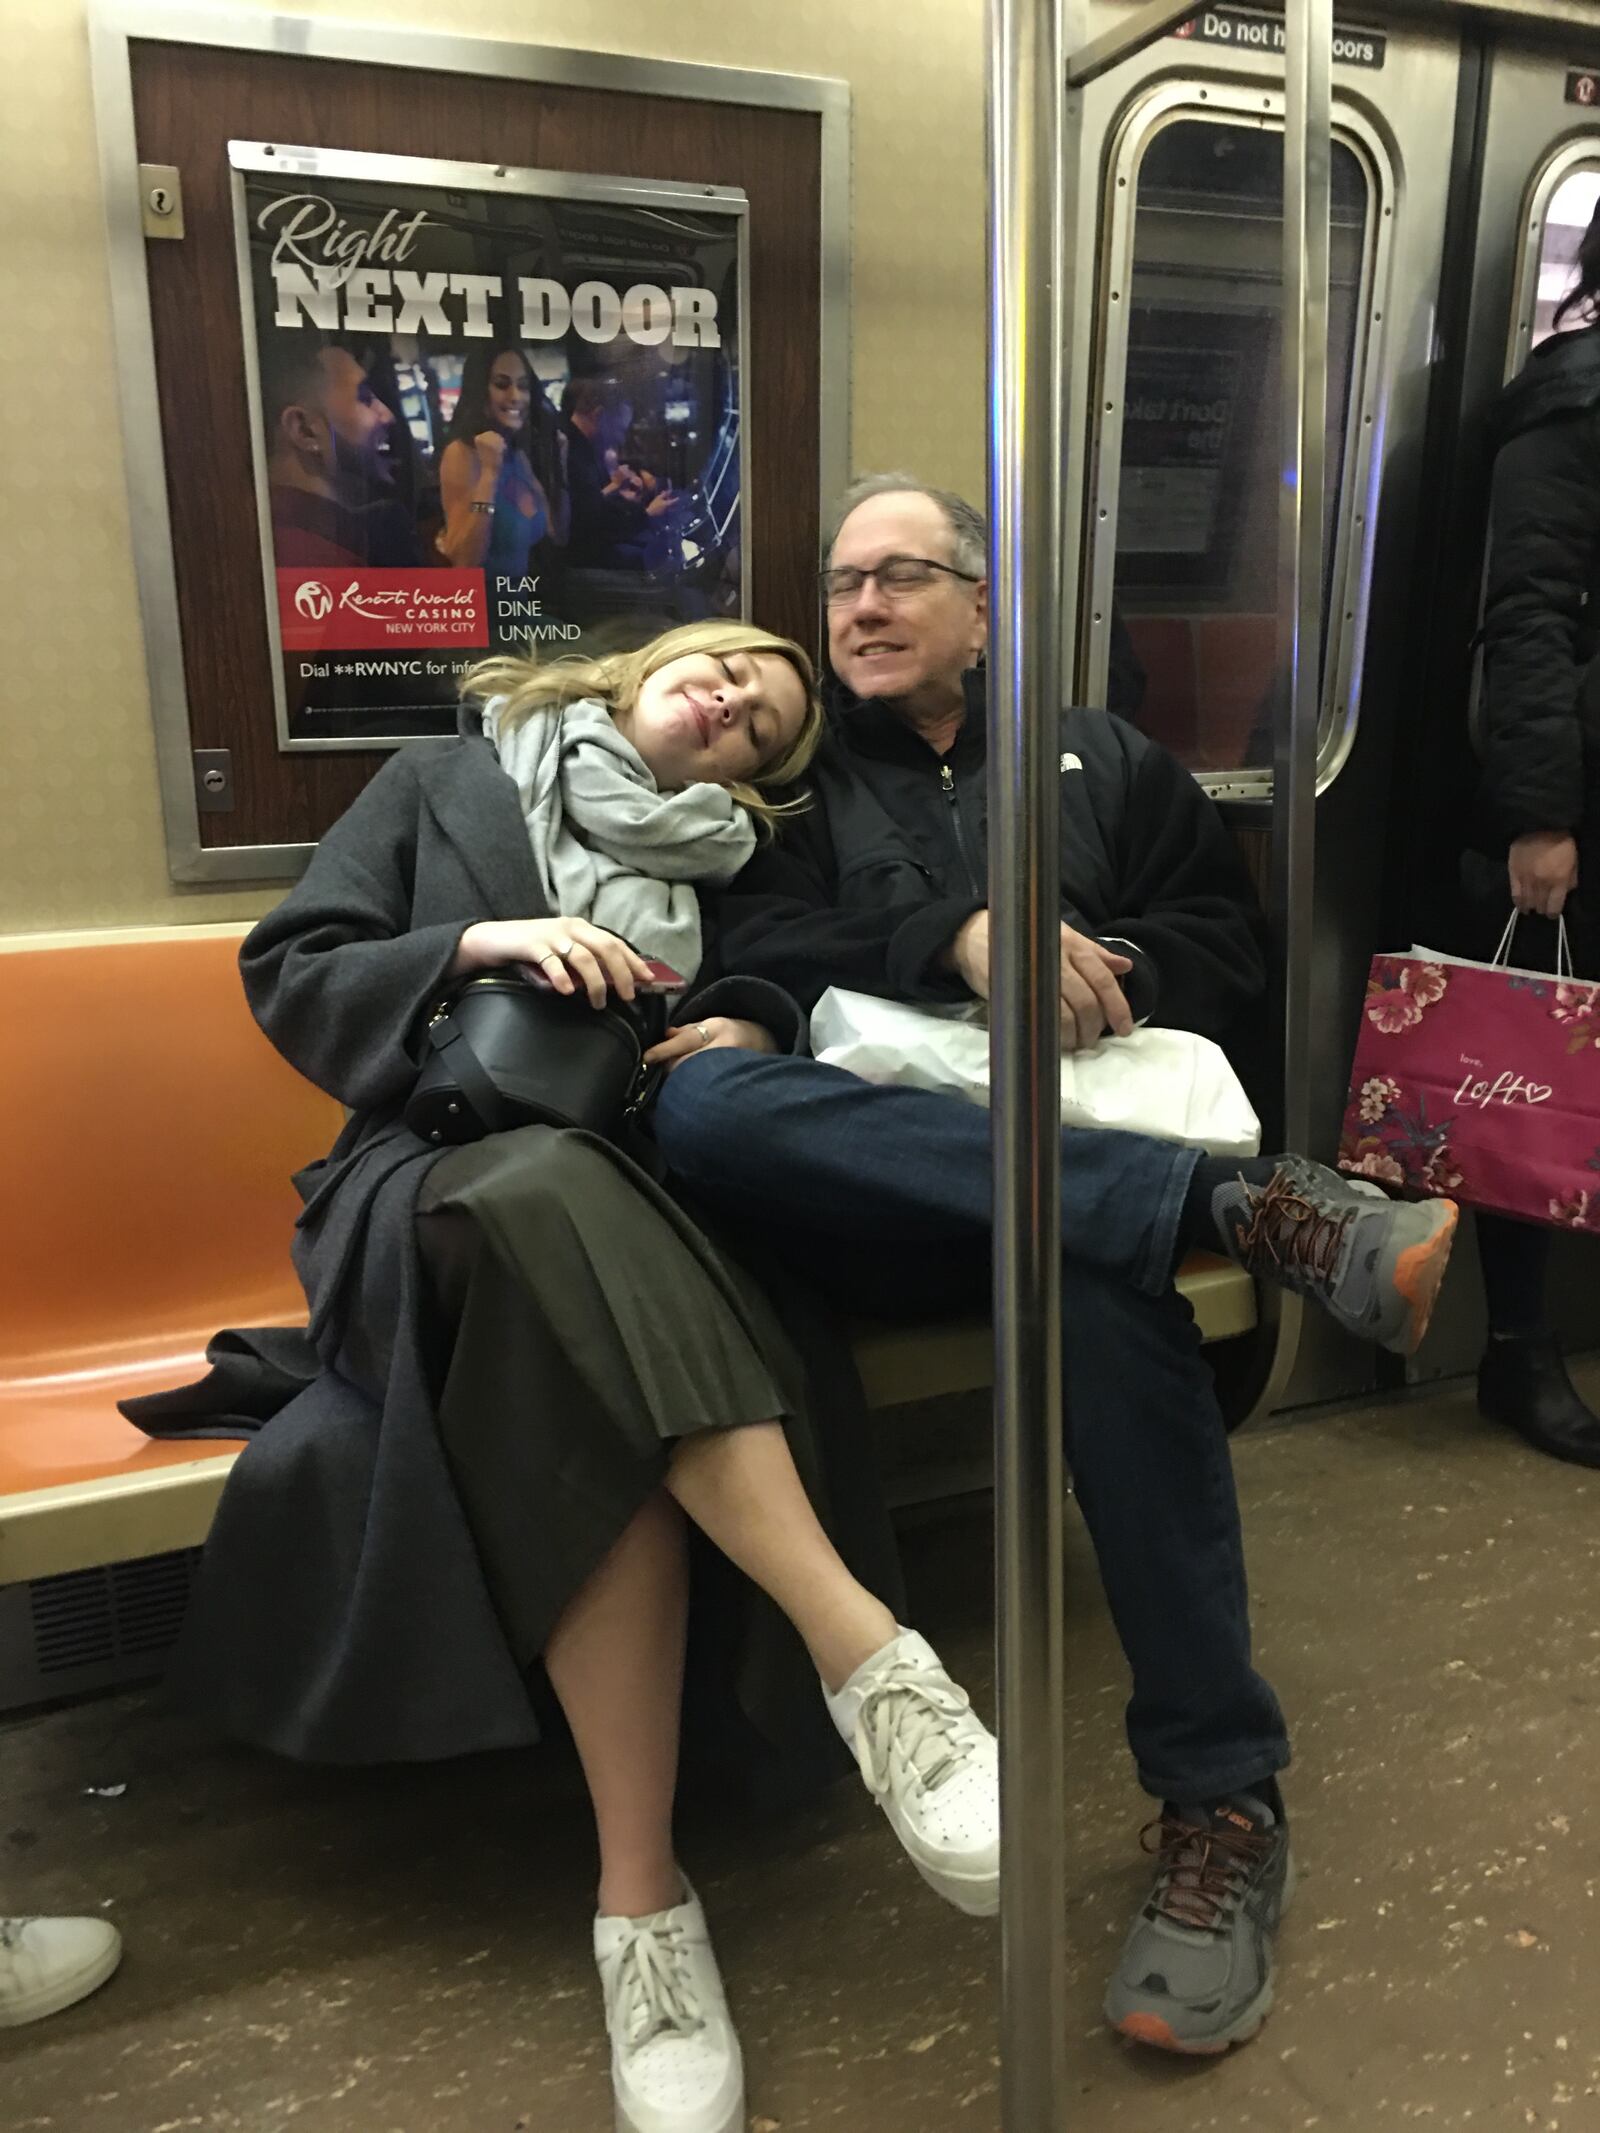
pixel 340 1613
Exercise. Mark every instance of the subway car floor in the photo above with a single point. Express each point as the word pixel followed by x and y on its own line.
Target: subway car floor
pixel 406 1951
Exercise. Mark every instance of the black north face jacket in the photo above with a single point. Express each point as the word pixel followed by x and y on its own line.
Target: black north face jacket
pixel 869 886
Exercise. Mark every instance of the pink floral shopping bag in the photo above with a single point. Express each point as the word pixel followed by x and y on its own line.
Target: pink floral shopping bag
pixel 1480 1082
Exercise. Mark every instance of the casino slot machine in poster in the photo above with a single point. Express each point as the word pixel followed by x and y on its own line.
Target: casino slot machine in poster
pixel 493 411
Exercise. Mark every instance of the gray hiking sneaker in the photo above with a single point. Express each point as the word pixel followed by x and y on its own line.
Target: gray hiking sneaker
pixel 1374 1264
pixel 1196 1971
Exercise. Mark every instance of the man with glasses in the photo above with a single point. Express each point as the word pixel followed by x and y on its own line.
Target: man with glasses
pixel 881 1196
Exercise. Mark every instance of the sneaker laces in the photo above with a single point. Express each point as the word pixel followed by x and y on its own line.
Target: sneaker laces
pixel 1203 1871
pixel 1291 1229
pixel 654 1990
pixel 926 1716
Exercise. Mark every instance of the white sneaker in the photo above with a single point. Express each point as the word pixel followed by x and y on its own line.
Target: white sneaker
pixel 932 1765
pixel 47 1963
pixel 675 2061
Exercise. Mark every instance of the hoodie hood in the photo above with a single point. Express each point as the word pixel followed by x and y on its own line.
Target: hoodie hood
pixel 1561 377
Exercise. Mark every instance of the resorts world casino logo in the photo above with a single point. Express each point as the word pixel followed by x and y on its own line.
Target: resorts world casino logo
pixel 352 610
pixel 314 601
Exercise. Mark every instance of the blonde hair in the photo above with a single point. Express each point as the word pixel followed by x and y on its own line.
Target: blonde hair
pixel 528 685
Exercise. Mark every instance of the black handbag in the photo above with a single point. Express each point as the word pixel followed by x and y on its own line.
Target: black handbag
pixel 504 1052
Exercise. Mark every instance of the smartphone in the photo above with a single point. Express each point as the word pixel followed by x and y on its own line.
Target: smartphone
pixel 662 979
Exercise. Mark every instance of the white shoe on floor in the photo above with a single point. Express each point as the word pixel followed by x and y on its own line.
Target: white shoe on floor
pixel 675 2060
pixel 48 1963
pixel 931 1764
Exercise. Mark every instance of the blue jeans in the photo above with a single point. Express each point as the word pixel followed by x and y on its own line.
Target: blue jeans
pixel 881 1199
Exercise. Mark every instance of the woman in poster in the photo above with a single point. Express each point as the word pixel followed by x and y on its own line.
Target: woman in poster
pixel 502 476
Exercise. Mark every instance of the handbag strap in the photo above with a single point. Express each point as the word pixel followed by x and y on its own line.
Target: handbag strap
pixel 448 1038
pixel 1502 955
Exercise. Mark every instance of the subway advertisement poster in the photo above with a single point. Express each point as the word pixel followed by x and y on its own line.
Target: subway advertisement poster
pixel 493 411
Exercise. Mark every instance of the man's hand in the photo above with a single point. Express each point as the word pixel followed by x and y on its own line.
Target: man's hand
pixel 1092 1001
pixel 718 1033
pixel 1544 871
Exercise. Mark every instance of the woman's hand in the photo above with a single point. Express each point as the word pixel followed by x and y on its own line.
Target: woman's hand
pixel 490 446
pixel 1544 871
pixel 569 952
pixel 718 1033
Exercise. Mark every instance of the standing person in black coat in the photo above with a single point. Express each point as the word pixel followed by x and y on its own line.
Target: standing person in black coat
pixel 882 1195
pixel 1541 789
pixel 533 1373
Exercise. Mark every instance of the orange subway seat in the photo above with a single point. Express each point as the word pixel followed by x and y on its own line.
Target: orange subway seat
pixel 154 1130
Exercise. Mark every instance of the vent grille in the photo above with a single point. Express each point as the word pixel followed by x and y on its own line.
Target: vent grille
pixel 104 1618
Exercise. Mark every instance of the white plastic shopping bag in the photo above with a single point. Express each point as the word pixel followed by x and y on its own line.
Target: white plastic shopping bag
pixel 1162 1082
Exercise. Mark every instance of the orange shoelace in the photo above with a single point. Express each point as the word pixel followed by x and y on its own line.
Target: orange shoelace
pixel 1202 1867
pixel 1291 1229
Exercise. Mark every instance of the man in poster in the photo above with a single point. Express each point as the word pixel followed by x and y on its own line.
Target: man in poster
pixel 614 508
pixel 330 480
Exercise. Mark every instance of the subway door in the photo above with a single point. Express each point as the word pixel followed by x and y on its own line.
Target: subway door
pixel 1539 155
pixel 1179 472
pixel 190 100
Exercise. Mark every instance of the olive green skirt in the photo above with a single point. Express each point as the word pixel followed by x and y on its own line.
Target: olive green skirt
pixel 585 1326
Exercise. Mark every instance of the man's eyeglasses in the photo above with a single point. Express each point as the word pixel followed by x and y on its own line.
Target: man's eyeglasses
pixel 896 577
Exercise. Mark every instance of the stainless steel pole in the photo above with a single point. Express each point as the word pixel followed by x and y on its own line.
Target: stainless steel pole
pixel 1307 179
pixel 1029 330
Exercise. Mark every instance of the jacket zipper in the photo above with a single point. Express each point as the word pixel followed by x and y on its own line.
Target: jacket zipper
pixel 947 785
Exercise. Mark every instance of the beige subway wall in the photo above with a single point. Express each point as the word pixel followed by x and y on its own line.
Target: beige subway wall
pixel 80 821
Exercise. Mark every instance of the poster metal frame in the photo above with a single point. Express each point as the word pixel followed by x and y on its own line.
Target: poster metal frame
pixel 114 27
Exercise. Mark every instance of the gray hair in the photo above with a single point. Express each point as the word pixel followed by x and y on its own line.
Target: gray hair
pixel 969 531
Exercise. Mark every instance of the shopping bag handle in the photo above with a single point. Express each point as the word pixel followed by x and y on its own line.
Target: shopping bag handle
pixel 1502 955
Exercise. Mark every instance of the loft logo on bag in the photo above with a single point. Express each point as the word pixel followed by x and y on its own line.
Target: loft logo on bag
pixel 1504 1089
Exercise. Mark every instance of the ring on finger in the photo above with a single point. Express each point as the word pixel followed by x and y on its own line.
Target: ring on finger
pixel 565 948
pixel 705 1035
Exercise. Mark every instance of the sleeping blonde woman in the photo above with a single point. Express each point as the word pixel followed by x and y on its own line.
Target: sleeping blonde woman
pixel 537 1380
